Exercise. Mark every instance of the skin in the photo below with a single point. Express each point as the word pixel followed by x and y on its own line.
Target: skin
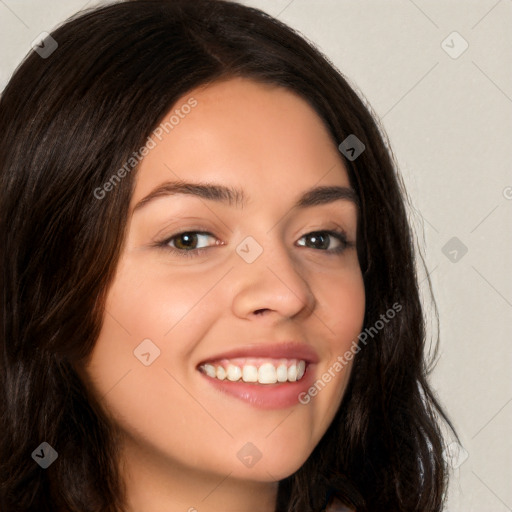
pixel 180 435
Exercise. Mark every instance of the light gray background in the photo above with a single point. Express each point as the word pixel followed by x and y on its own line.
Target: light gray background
pixel 448 120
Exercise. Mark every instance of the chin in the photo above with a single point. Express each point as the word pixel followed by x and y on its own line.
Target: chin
pixel 271 467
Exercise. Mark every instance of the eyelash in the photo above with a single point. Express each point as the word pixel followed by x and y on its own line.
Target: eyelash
pixel 339 235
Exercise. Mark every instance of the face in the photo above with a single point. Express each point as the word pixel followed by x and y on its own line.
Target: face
pixel 208 288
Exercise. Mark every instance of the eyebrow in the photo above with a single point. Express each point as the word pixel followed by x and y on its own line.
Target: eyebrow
pixel 237 197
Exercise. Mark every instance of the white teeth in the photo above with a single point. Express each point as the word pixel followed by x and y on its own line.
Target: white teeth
pixel 210 370
pixel 301 368
pixel 292 373
pixel 250 373
pixel 234 373
pixel 268 373
pixel 282 373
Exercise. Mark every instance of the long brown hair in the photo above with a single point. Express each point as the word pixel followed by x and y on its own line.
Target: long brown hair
pixel 67 123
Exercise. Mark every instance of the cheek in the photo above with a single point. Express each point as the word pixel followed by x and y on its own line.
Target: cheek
pixel 157 304
pixel 342 308
pixel 148 402
pixel 146 312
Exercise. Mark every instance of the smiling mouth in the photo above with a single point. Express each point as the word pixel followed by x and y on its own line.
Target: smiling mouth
pixel 255 370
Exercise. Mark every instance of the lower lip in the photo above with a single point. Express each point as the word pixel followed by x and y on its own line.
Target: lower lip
pixel 265 396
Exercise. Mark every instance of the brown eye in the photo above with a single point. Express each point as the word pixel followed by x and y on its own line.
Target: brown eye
pixel 322 240
pixel 187 243
pixel 185 240
pixel 319 240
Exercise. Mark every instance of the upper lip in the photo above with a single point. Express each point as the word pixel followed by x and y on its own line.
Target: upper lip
pixel 282 350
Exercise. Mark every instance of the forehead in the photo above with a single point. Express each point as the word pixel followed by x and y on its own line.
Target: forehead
pixel 260 137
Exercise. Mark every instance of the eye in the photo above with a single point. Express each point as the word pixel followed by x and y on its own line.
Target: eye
pixel 322 240
pixel 187 242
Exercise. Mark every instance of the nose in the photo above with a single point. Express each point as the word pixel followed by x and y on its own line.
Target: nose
pixel 273 283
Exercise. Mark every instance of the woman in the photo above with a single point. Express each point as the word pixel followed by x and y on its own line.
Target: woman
pixel 208 281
